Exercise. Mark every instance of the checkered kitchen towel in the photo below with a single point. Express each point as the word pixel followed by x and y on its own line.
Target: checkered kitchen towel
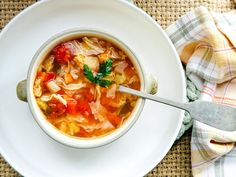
pixel 206 43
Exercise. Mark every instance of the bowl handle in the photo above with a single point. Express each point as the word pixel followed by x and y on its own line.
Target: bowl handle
pixel 152 85
pixel 21 91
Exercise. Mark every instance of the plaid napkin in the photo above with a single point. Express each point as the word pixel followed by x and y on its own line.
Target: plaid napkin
pixel 206 43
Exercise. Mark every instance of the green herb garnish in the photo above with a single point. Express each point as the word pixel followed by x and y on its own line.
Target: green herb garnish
pixel 104 70
pixel 88 73
pixel 103 83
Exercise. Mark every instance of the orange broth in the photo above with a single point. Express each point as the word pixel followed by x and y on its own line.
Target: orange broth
pixel 72 102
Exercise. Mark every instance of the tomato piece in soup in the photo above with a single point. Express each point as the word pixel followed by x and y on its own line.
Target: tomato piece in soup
pixel 72 107
pixel 56 108
pixel 105 100
pixel 80 106
pixel 46 76
pixel 86 93
pixel 114 119
pixel 49 76
pixel 62 54
pixel 84 108
pixel 83 133
pixel 89 96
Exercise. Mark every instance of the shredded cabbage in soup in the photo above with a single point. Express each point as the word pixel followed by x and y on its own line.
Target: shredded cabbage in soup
pixel 76 87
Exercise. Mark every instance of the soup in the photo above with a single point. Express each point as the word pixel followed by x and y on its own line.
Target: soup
pixel 76 87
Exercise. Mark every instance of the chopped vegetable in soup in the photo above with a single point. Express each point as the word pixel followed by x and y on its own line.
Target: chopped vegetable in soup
pixel 76 87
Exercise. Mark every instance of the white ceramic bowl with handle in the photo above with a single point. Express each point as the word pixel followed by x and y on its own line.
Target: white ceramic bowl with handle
pixel 25 89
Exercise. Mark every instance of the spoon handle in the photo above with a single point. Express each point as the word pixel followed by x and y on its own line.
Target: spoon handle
pixel 208 113
pixel 152 97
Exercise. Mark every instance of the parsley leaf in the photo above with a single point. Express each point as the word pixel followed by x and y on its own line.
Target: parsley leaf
pixel 104 83
pixel 88 73
pixel 104 70
pixel 106 67
pixel 98 76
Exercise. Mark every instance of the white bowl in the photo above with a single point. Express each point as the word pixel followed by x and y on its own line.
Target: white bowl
pixel 25 89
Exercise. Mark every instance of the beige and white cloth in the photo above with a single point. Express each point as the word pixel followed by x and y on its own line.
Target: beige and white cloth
pixel 206 43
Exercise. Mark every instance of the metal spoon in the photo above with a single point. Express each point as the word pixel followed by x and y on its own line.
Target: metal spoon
pixel 216 115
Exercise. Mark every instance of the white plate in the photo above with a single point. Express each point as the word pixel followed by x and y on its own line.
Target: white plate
pixel 29 150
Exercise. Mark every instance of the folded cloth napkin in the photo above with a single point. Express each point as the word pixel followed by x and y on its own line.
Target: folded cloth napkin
pixel 206 43
pixel 192 95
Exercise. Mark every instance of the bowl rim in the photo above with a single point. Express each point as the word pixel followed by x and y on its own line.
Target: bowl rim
pixel 53 132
